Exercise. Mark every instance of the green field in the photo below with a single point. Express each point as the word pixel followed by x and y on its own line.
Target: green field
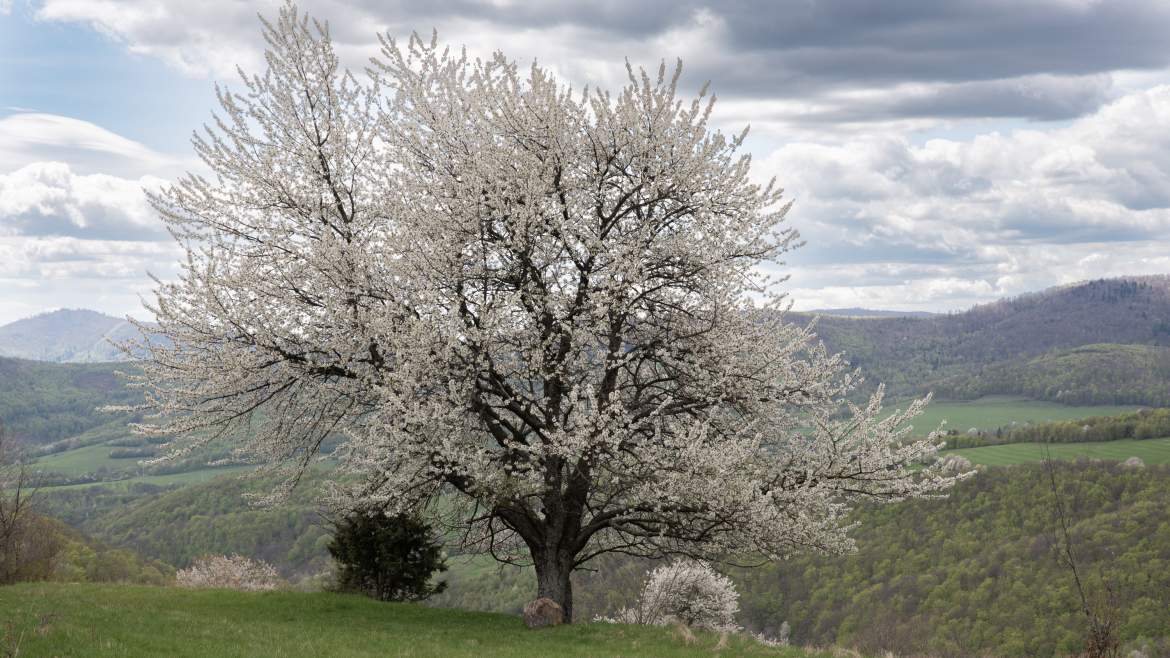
pixel 118 620
pixel 88 459
pixel 1151 451
pixel 92 459
pixel 186 477
pixel 992 412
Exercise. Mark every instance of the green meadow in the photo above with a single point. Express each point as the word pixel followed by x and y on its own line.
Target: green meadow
pixel 1150 451
pixel 120 620
pixel 87 459
pixel 992 412
pixel 169 479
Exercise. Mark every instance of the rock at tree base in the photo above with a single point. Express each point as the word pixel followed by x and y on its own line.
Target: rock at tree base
pixel 543 612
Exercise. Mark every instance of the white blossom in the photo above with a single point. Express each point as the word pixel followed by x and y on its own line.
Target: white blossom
pixel 956 464
pixel 229 572
pixel 546 303
pixel 685 591
pixel 781 640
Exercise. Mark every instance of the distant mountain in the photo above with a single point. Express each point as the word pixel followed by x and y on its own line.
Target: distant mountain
pixel 856 312
pixel 996 343
pixel 66 336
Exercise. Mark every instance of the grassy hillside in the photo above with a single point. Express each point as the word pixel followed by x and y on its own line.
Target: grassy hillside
pixel 86 459
pixel 88 620
pixel 976 569
pixel 107 462
pixel 150 515
pixel 93 454
pixel 993 412
pixel 164 480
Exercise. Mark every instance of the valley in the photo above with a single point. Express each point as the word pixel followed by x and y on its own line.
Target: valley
pixel 1000 374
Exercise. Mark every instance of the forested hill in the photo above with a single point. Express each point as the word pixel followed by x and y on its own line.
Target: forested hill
pixel 1011 346
pixel 70 335
pixel 43 402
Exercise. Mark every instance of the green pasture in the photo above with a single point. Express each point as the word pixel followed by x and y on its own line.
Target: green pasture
pixel 1150 451
pixel 188 477
pixel 87 459
pixel 119 620
pixel 993 412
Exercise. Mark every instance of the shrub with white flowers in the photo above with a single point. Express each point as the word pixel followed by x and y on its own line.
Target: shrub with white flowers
pixel 685 591
pixel 230 572
pixel 955 464
pixel 781 639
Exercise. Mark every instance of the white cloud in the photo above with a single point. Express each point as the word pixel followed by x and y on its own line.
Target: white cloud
pixel 951 58
pixel 48 198
pixel 69 235
pixel 949 223
pixel 41 258
pixel 211 39
pixel 78 240
pixel 1104 177
pixel 194 37
pixel 28 137
pixel 75 226
pixel 1013 270
pixel 839 113
pixel 41 272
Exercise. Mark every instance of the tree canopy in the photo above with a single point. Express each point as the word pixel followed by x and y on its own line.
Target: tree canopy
pixel 551 304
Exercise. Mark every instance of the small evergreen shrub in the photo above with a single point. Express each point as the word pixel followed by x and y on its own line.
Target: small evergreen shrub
pixel 389 558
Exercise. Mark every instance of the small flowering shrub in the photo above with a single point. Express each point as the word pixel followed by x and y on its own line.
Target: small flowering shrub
pixel 685 591
pixel 780 640
pixel 956 464
pixel 230 572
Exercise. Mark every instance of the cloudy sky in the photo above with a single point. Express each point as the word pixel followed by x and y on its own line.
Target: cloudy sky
pixel 941 153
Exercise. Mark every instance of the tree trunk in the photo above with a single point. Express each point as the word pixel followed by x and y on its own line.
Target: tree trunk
pixel 553 580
